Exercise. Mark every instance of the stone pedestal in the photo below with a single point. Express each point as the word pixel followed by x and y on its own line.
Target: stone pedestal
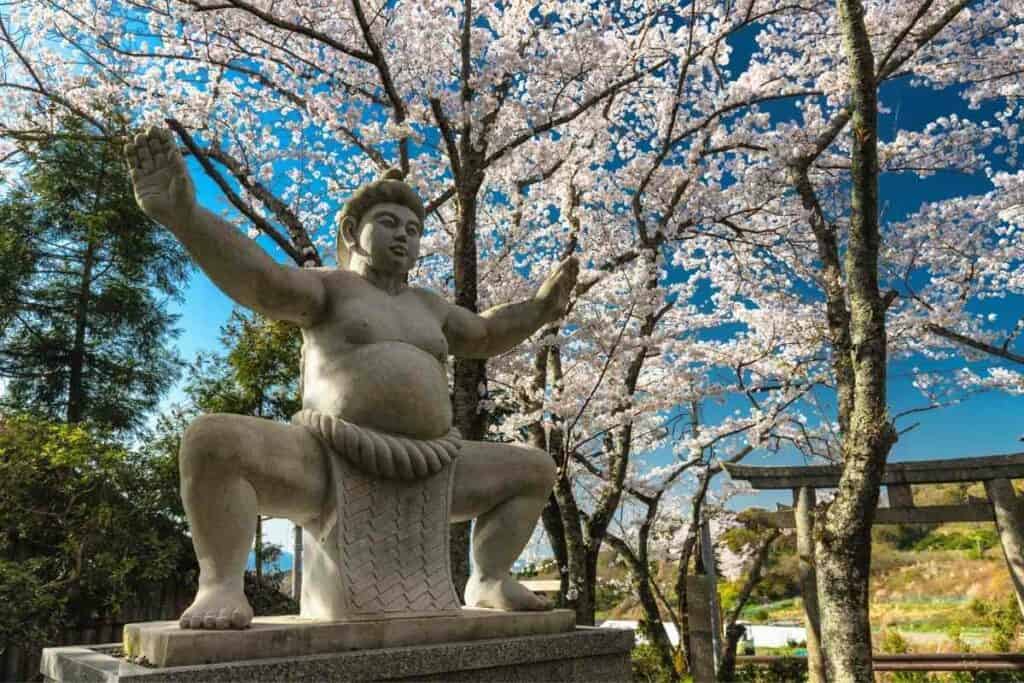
pixel 582 654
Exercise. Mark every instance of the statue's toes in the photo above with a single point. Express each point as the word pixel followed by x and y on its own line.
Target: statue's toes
pixel 240 619
pixel 224 619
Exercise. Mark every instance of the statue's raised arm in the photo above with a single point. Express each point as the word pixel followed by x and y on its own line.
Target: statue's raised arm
pixel 503 327
pixel 235 263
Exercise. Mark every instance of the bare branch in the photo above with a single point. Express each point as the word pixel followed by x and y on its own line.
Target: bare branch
pixel 975 344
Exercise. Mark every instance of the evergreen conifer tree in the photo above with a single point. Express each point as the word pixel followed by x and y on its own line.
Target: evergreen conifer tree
pixel 85 281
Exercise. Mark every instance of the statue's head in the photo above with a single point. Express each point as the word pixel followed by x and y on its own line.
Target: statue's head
pixel 377 218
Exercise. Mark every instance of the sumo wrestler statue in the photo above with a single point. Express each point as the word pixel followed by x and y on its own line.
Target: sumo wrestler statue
pixel 375 351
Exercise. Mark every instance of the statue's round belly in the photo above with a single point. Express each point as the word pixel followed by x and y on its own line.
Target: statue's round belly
pixel 394 387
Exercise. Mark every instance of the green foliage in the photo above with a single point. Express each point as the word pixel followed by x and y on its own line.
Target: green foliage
pixel 646 664
pixel 894 643
pixel 81 534
pixel 1003 618
pixel 976 541
pixel 757 615
pixel 609 593
pixel 16 258
pixel 266 597
pixel 543 568
pixel 259 375
pixel 778 578
pixel 86 278
pixel 729 593
pixel 902 536
pixel 782 671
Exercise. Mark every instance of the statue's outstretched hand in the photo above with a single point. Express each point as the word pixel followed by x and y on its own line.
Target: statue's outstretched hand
pixel 162 185
pixel 555 291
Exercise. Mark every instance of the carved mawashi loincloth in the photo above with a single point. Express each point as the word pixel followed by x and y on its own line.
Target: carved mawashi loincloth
pixel 388 456
pixel 380 546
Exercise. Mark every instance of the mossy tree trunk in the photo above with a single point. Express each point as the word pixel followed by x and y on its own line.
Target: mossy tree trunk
pixel 843 539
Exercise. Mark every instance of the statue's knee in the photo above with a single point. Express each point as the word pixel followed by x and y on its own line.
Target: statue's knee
pixel 543 471
pixel 209 441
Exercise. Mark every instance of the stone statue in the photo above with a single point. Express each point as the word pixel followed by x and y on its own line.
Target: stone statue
pixel 375 351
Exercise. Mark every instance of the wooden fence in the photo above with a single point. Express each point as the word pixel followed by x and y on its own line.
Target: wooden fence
pixel 971 661
pixel 164 602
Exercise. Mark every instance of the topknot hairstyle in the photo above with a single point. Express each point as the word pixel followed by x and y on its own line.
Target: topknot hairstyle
pixel 390 188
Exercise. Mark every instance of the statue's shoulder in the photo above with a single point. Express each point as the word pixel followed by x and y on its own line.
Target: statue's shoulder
pixel 336 276
pixel 431 297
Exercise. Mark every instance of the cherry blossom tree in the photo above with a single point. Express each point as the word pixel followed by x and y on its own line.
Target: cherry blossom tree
pixel 867 289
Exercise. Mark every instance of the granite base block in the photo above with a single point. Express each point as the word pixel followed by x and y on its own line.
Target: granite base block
pixel 584 654
pixel 163 643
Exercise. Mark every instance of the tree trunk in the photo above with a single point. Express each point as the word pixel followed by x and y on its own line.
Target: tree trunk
pixel 843 541
pixel 651 625
pixel 76 369
pixel 586 605
pixel 803 507
pixel 258 550
pixel 1009 513
pixel 734 631
pixel 470 376
pixel 685 555
pixel 297 565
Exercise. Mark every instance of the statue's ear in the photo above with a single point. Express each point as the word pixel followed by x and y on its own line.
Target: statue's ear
pixel 348 232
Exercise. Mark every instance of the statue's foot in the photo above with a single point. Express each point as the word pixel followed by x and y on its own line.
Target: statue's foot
pixel 218 608
pixel 506 594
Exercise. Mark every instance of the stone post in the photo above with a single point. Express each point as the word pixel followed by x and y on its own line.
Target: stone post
pixel 707 553
pixel 702 655
pixel 297 564
pixel 1009 514
pixel 803 512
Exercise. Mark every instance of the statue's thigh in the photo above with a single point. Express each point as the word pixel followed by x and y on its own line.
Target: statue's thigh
pixel 285 464
pixel 487 474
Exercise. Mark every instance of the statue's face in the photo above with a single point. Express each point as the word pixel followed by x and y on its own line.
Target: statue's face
pixel 390 235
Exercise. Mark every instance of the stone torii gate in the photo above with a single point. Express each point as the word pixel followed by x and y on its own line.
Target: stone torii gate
pixel 1003 507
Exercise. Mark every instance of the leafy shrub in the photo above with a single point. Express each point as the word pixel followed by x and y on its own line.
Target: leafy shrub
pixel 975 541
pixel 85 530
pixel 902 536
pixel 758 614
pixel 1003 618
pixel 266 597
pixel 610 592
pixel 783 671
pixel 647 666
pixel 895 644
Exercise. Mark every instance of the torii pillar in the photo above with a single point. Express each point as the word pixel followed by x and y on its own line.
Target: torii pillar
pixel 1008 510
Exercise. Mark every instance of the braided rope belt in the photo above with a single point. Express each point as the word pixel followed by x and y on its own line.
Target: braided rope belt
pixel 388 456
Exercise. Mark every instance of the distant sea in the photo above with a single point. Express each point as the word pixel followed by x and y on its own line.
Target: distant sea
pixel 283 564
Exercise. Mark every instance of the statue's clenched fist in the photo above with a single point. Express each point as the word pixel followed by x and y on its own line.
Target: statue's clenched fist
pixel 162 185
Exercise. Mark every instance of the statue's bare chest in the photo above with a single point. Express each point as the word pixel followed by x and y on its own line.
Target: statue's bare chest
pixel 371 316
